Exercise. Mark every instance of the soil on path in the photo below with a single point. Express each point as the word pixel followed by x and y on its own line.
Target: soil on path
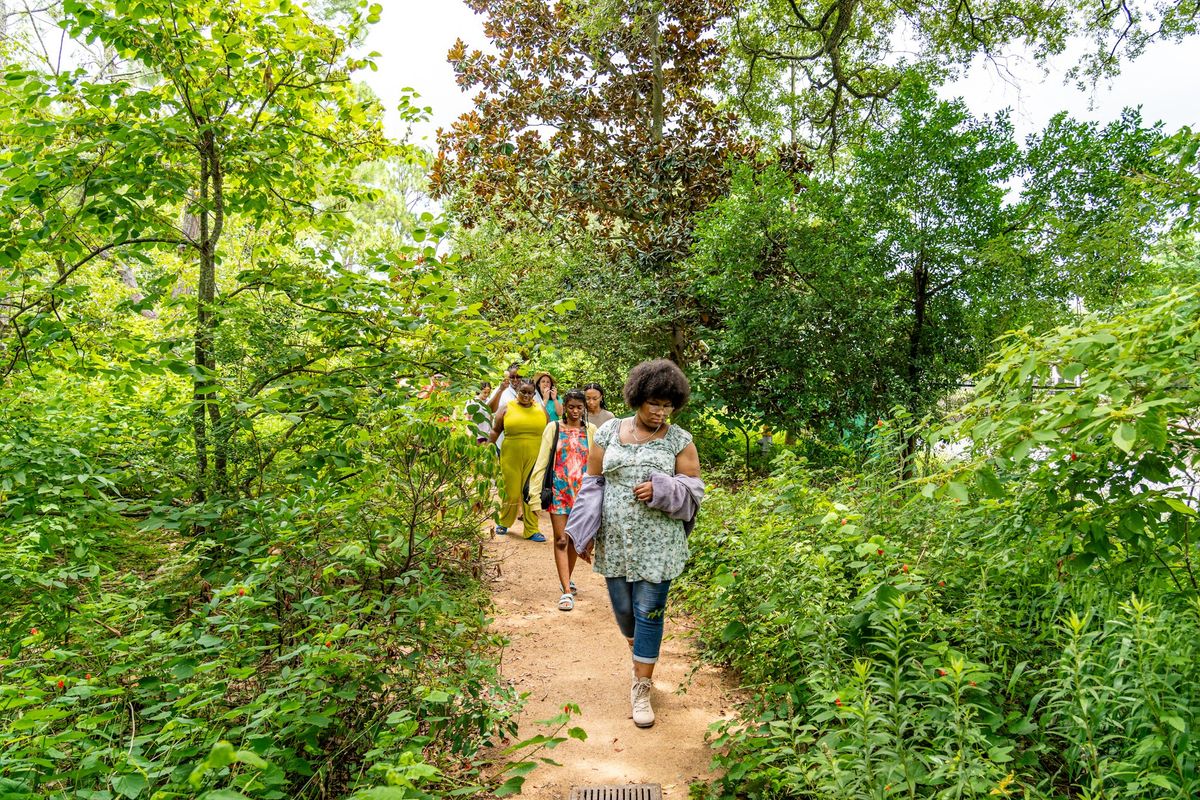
pixel 580 657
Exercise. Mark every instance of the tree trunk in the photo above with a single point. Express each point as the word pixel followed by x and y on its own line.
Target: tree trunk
pixel 205 286
pixel 129 278
pixel 920 307
pixel 657 90
pixel 207 432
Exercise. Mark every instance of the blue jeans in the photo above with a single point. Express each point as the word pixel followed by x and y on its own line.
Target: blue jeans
pixel 639 607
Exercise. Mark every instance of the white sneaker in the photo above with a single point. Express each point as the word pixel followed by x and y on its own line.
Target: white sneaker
pixel 639 697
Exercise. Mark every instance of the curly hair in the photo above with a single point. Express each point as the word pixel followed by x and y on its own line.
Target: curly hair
pixel 656 380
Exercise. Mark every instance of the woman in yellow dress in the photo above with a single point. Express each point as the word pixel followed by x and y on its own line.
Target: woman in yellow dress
pixel 522 423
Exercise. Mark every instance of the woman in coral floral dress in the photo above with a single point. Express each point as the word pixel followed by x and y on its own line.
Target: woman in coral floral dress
pixel 566 456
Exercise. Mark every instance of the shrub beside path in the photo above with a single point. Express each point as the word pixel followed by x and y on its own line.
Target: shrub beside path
pixel 580 657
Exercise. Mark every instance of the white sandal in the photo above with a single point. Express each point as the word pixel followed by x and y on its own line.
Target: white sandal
pixel 566 602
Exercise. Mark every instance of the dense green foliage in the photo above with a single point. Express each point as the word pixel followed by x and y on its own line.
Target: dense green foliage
pixel 887 284
pixel 1019 623
pixel 824 71
pixel 239 546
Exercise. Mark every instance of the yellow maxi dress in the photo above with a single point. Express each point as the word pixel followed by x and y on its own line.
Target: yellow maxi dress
pixel 522 440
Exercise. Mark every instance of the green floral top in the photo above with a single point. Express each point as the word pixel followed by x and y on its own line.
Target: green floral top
pixel 637 542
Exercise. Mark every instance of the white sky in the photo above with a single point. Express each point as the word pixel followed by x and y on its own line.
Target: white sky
pixel 414 35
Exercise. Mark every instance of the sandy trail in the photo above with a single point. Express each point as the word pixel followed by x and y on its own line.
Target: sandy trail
pixel 581 657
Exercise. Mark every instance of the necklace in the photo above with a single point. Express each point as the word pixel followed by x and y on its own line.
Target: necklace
pixel 633 434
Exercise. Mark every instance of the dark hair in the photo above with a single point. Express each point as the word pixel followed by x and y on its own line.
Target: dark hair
pixel 521 384
pixel 598 388
pixel 657 380
pixel 575 394
pixel 537 380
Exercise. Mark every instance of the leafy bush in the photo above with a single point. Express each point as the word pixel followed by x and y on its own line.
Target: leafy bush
pixel 1024 625
pixel 326 635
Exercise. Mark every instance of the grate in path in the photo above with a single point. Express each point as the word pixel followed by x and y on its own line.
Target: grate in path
pixel 633 791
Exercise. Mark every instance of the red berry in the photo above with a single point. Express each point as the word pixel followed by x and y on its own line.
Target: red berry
pixel 1074 456
pixel 941 583
pixel 33 631
pixel 61 685
pixel 566 709
pixel 241 592
pixel 879 551
pixel 904 567
pixel 941 672
pixel 87 676
pixel 837 701
pixel 845 521
pixel 329 644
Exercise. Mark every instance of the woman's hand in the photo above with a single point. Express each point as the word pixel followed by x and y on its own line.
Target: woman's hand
pixel 586 555
pixel 644 491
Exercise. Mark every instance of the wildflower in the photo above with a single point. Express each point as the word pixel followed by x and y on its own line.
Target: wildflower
pixel 566 709
pixel 879 551
pixel 87 676
pixel 329 644
pixel 941 583
pixel 837 701
pixel 941 672
pixel 33 631
pixel 845 521
pixel 61 684
pixel 1074 456
pixel 972 683
pixel 904 567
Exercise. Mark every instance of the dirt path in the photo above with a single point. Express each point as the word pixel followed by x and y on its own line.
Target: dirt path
pixel 581 657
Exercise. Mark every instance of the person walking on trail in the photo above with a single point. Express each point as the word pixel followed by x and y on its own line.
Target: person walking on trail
pixel 521 423
pixel 646 473
pixel 597 414
pixel 561 465
pixel 547 395
pixel 505 392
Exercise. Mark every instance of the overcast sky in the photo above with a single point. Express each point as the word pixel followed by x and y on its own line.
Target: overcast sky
pixel 414 35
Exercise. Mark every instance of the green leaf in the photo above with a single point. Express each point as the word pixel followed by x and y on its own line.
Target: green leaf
pixel 1177 723
pixel 383 793
pixel 989 484
pixel 130 784
pixel 1124 436
pixel 510 787
pixel 957 491
pixel 1180 506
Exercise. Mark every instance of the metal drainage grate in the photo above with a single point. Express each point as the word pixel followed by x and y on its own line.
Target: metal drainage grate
pixel 633 791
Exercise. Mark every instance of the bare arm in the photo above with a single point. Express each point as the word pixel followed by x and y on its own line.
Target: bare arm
pixel 494 401
pixel 595 460
pixel 688 462
pixel 497 426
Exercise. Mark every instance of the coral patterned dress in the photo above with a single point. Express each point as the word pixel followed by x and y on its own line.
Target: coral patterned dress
pixel 569 468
